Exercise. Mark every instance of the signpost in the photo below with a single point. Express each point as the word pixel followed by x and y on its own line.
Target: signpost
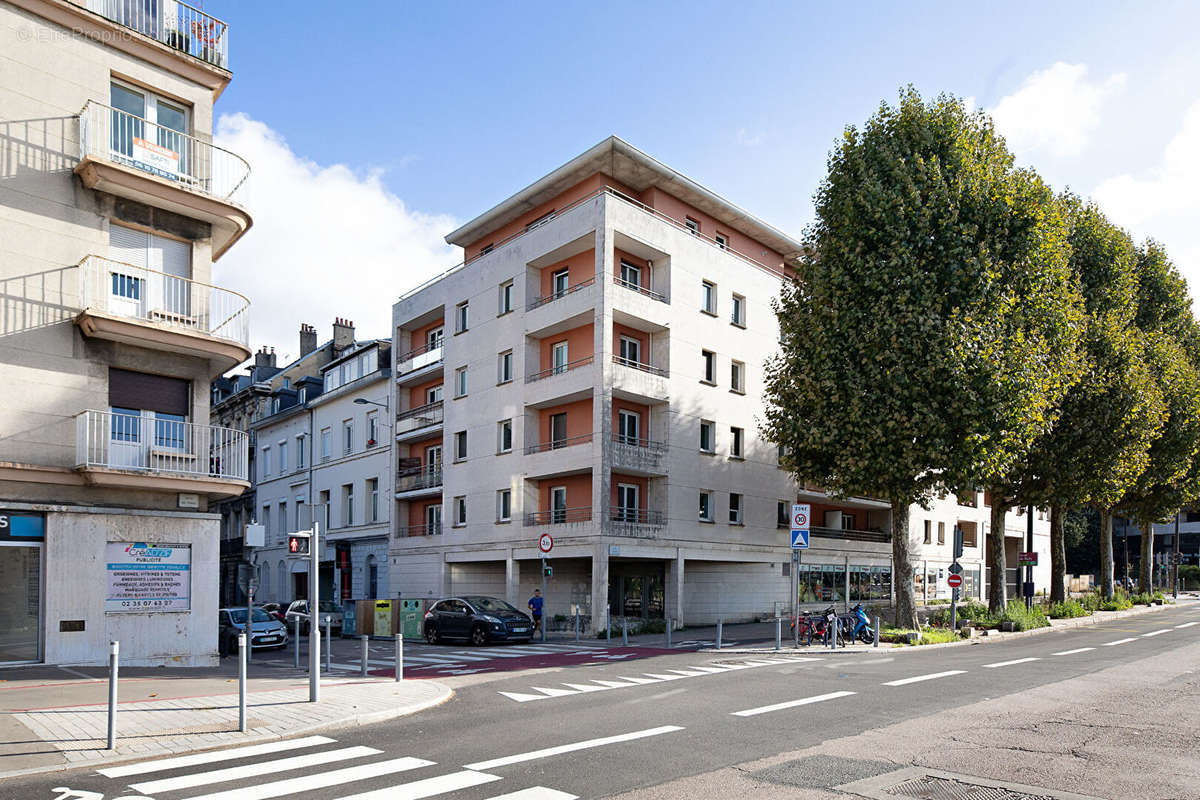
pixel 954 581
pixel 307 543
pixel 955 578
pixel 1027 559
pixel 545 544
pixel 801 516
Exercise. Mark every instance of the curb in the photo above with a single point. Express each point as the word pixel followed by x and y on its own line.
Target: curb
pixel 352 722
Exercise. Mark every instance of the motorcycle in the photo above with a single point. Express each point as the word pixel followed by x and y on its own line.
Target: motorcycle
pixel 862 626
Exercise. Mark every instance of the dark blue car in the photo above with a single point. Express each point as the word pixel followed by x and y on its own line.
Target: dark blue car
pixel 477 619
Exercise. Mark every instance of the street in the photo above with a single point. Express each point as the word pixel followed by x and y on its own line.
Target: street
pixel 603 726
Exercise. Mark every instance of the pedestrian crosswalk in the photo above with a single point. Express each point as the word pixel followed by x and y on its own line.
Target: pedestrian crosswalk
pixel 437 659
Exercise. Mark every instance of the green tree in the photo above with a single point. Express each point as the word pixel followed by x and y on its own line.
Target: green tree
pixel 922 340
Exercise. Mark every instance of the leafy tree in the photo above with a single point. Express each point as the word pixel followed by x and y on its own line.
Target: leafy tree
pixel 921 343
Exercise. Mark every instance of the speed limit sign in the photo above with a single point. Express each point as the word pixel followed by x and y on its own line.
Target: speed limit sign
pixel 800 514
pixel 545 543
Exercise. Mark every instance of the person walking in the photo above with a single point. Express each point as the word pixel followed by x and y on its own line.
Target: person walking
pixel 535 609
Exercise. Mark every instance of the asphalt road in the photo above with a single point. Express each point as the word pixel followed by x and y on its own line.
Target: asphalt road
pixel 555 732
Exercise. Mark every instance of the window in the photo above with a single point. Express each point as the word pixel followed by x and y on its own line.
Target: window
pixel 559 282
pixel 461 317
pixel 326 442
pixel 505 367
pixel 460 510
pixel 372 577
pixel 266 461
pixel 708 297
pixel 435 337
pixel 347 436
pixel 487 248
pixel 782 518
pixel 302 395
pixel 735 509
pixel 631 275
pixel 738 315
pixel 559 357
pixel 265 520
pixel 460 446
pixel 737 377
pixel 708 436
pixel 629 425
pixel 283 457
pixel 281 520
pixel 706 503
pixel 558 504
pixel 460 382
pixel 348 504
pixel 504 436
pixel 627 502
pixel 372 428
pixel 735 442
pixel 299 452
pixel 325 514
pixel 433 394
pixel 941 533
pixel 558 430
pixel 928 532
pixel 693 226
pixel 433 519
pixel 275 405
pixel 299 506
pixel 504 505
pixel 168 121
pixel 506 298
pixel 722 240
pixel 373 499
pixel 630 351
pixel 433 459
pixel 969 535
pixel 710 366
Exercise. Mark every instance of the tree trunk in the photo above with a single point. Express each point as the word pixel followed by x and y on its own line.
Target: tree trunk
pixel 997 580
pixel 1106 553
pixel 902 579
pixel 1146 568
pixel 1058 555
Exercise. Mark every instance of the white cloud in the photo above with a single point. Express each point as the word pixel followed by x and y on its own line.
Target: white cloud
pixel 1055 110
pixel 326 242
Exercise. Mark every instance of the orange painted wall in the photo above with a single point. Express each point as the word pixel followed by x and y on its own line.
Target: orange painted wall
pixel 579 419
pixel 416 396
pixel 417 449
pixel 620 330
pixel 580 267
pixel 580 344
pixel 579 491
pixel 619 254
pixel 624 405
pixel 416 511
pixel 418 334
pixel 637 480
pixel 678 210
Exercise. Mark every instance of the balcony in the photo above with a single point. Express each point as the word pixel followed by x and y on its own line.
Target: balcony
pixel 176 24
pixel 848 534
pixel 619 281
pixel 639 381
pixel 558 457
pixel 550 298
pixel 140 306
pixel 420 363
pixel 559 516
pixel 638 456
pixel 407 531
pixel 634 522
pixel 419 421
pixel 123 450
pixel 559 384
pixel 425 482
pixel 128 156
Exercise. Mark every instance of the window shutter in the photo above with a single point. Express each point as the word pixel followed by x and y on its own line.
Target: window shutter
pixel 158 393
pixel 176 256
pixel 128 245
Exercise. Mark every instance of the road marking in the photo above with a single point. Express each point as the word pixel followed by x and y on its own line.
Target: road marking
pixel 321 780
pixel 686 672
pixel 1073 652
pixel 217 755
pixel 522 697
pixel 537 793
pixel 662 677
pixel 428 787
pixel 711 669
pixel 554 692
pixel 251 770
pixel 1010 663
pixel 930 677
pixel 587 687
pixel 1155 633
pixel 641 680
pixel 613 684
pixel 1186 625
pixel 1119 641
pixel 750 712
pixel 570 748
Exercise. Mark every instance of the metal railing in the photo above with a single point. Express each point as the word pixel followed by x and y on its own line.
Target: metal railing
pixel 550 298
pixel 145 442
pixel 174 23
pixel 418 530
pixel 635 453
pixel 420 417
pixel 425 479
pixel 555 444
pixel 123 138
pixel 850 534
pixel 637 287
pixel 635 516
pixel 423 356
pixel 639 365
pixel 560 369
pixel 123 290
pixel 559 516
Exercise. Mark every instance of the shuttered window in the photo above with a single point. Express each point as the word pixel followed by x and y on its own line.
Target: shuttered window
pixel 157 393
pixel 146 250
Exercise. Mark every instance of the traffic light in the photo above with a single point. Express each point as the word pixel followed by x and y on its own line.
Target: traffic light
pixel 958 541
pixel 297 545
pixel 548 572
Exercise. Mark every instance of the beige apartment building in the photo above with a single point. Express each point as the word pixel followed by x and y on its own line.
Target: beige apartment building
pixel 594 370
pixel 114 202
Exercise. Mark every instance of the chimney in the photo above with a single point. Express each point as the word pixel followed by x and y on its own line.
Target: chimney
pixel 265 358
pixel 308 339
pixel 343 335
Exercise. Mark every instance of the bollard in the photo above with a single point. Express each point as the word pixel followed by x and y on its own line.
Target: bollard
pixel 399 656
pixel 720 632
pixel 243 647
pixel 624 632
pixel 875 633
pixel 576 623
pixel 328 644
pixel 778 633
pixel 668 633
pixel 362 671
pixel 296 649
pixel 608 623
pixel 113 650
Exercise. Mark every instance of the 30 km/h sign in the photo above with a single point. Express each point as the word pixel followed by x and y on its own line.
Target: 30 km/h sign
pixel 801 513
pixel 954 581
pixel 545 543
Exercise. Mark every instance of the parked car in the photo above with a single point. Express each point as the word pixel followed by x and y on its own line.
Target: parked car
pixel 477 619
pixel 276 610
pixel 329 611
pixel 265 630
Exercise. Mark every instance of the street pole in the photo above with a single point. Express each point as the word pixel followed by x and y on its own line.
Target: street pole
pixel 1175 559
pixel 114 649
pixel 243 655
pixel 545 616
pixel 314 627
pixel 1028 549
pixel 796 599
pixel 251 582
pixel 1125 547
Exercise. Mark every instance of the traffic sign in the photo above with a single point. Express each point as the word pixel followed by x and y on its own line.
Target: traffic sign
pixel 954 580
pixel 956 568
pixel 800 539
pixel 545 543
pixel 801 513
pixel 297 545
pixel 1027 559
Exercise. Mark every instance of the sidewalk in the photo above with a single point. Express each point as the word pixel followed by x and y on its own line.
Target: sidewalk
pixel 57 717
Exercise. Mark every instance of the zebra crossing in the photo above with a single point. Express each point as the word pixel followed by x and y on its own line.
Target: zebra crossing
pixel 297 768
pixel 443 660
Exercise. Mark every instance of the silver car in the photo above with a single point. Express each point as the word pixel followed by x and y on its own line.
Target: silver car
pixel 265 630
pixel 330 612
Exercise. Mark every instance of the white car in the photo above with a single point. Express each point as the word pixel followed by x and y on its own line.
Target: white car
pixel 329 613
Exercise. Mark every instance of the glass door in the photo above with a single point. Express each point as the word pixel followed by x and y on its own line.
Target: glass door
pixel 628 427
pixel 558 430
pixel 20 602
pixel 560 358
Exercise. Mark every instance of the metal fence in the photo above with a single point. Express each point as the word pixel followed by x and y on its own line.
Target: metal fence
pixel 550 298
pixel 174 23
pixel 558 370
pixel 425 479
pixel 149 442
pixel 559 516
pixel 420 417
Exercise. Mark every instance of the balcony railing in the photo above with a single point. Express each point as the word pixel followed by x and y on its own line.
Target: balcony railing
pixel 639 365
pixel 175 24
pixel 419 530
pixel 636 516
pixel 558 370
pixel 156 444
pixel 550 298
pixel 634 453
pixel 422 356
pixel 420 417
pixel 555 444
pixel 425 479
pixel 850 534
pixel 196 165
pixel 559 516
pixel 637 287
pixel 123 290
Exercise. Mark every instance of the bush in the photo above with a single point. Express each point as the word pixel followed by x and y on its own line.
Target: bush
pixel 1190 575
pixel 928 634
pixel 1091 602
pixel 972 610
pixel 1118 602
pixel 1022 618
pixel 1141 599
pixel 1067 610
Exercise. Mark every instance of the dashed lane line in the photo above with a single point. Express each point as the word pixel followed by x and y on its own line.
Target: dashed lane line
pixel 1010 663
pixel 930 677
pixel 571 748
pixel 1119 641
pixel 1155 633
pixel 751 712
pixel 1186 625
pixel 1073 652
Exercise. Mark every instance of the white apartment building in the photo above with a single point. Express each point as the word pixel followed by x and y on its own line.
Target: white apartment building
pixel 594 370
pixel 325 446
pixel 114 204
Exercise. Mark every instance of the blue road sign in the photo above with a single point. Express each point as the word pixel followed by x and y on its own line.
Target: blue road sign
pixel 800 539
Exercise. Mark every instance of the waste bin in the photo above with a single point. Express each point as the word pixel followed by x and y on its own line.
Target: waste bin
pixel 383 618
pixel 410 619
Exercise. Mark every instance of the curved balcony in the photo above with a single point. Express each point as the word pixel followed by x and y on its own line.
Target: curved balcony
pixel 153 309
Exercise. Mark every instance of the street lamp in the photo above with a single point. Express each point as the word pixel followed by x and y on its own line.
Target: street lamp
pixel 362 401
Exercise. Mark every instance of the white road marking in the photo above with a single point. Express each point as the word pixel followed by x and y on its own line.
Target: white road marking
pixel 1073 652
pixel 536 793
pixel 711 669
pixel 321 780
pixel 1010 663
pixel 919 678
pixel 587 687
pixel 750 712
pixel 624 682
pixel 641 680
pixel 256 769
pixel 571 748
pixel 1155 633
pixel 553 692
pixel 217 755
pixel 662 677
pixel 428 787
pixel 613 684
pixel 1119 641
pixel 1186 625
pixel 522 697
pixel 686 673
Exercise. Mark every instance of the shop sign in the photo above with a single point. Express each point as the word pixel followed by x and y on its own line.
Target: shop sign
pixel 22 526
pixel 148 577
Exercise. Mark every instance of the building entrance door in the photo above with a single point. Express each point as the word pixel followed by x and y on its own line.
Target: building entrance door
pixel 20 602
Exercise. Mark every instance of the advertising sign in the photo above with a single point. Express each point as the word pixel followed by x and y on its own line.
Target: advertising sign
pixel 22 526
pixel 156 157
pixel 148 577
pixel 1027 559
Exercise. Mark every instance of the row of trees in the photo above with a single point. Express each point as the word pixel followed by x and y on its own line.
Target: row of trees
pixel 956 325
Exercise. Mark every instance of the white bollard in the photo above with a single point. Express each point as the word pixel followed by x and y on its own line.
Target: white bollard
pixel 399 656
pixel 243 647
pixel 362 672
pixel 114 649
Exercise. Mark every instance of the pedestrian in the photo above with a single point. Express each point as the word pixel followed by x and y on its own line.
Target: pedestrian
pixel 535 608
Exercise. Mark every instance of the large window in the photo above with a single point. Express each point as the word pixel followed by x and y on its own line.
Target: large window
pixel 326 443
pixel 148 411
pixel 738 317
pixel 348 504
pixel 460 382
pixel 827 583
pixel 735 442
pixel 735 509
pixel 559 282
pixel 460 446
pixel 139 117
pixel 708 297
pixel 706 506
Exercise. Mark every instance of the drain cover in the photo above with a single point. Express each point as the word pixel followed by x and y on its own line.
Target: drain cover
pixel 920 783
pixel 933 787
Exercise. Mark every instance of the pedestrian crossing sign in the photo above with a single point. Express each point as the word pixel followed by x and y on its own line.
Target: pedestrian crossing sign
pixel 800 539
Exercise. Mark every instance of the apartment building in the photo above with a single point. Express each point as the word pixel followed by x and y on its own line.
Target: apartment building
pixel 114 203
pixel 325 449
pixel 594 370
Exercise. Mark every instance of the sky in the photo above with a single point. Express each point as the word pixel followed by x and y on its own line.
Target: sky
pixel 373 129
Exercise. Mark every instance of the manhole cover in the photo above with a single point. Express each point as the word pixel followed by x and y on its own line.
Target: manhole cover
pixel 922 783
pixel 932 787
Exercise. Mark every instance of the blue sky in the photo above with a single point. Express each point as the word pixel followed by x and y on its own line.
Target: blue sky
pixel 440 110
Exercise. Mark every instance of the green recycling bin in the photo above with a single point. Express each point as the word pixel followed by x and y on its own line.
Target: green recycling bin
pixel 410 619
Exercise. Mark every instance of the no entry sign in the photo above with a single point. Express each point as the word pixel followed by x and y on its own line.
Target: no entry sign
pixel 954 581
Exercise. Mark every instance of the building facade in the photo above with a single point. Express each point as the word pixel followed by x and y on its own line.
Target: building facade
pixel 114 203
pixel 594 371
